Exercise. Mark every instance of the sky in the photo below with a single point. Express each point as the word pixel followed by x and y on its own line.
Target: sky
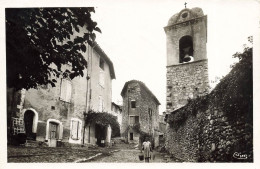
pixel 134 39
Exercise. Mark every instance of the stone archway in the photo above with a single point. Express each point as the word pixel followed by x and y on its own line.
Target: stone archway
pixel 30 117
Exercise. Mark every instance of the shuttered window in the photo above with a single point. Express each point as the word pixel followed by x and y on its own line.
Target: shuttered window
pixel 65 91
pixel 101 79
pixel 134 119
pixel 100 104
pixel 75 130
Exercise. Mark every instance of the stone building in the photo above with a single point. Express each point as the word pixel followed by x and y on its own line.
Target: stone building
pixel 162 129
pixel 140 111
pixel 56 114
pixel 116 110
pixel 187 64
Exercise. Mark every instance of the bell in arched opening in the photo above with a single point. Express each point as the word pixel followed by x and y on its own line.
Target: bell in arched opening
pixel 187 57
pixel 186 49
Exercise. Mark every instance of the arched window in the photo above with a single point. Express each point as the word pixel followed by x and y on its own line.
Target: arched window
pixel 185 49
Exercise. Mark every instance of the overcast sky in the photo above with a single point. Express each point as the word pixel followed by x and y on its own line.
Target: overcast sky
pixel 134 38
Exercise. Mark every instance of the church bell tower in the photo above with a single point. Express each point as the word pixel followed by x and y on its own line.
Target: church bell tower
pixel 187 64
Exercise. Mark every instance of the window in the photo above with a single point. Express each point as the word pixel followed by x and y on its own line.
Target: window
pixel 134 119
pixel 65 91
pixel 101 63
pixel 150 111
pixel 133 104
pixel 75 129
pixel 101 78
pixel 100 104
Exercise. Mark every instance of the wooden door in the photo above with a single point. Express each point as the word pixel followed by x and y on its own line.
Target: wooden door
pixel 53 129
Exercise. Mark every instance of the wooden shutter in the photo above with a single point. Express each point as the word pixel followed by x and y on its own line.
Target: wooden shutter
pixel 62 90
pixel 100 106
pixel 74 129
pixel 65 92
pixel 68 90
pixel 136 119
pixel 132 119
pixel 101 78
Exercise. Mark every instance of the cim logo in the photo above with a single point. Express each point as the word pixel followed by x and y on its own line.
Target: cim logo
pixel 240 156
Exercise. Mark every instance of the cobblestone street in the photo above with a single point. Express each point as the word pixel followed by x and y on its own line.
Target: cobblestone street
pixel 127 156
pixel 120 153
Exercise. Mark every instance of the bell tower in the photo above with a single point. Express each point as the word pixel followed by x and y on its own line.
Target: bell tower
pixel 187 64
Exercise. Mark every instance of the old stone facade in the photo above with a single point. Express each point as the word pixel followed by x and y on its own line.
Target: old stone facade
pixel 187 66
pixel 55 115
pixel 211 136
pixel 186 81
pixel 140 107
pixel 117 111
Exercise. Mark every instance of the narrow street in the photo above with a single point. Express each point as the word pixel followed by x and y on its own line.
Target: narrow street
pixel 127 153
pixel 119 153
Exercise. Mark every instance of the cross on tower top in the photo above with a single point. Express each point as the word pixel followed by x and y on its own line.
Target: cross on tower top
pixel 185 4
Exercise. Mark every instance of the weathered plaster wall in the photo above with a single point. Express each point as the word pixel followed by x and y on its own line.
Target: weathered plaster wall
pixel 47 103
pixel 96 89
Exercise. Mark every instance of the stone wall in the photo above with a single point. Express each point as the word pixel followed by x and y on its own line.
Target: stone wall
pixel 211 136
pixel 134 94
pixel 185 81
pixel 147 102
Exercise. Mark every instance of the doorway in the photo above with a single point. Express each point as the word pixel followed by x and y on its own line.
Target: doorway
pixel 53 133
pixel 28 124
pixel 131 136
pixel 100 134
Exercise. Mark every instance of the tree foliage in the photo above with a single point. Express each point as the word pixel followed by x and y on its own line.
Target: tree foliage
pixel 104 119
pixel 39 37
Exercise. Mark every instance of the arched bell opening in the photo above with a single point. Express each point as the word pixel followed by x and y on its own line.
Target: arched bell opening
pixel 186 49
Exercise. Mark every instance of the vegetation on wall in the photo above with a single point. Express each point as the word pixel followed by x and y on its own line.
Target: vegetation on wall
pixel 233 95
pixel 104 119
pixel 142 135
pixel 178 117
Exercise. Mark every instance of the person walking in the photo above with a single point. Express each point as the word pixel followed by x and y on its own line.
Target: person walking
pixel 147 148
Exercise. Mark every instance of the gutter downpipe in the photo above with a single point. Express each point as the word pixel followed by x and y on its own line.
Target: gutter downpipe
pixel 89 51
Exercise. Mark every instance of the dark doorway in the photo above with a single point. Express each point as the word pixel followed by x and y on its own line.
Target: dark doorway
pixel 131 136
pixel 100 133
pixel 28 124
pixel 185 49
